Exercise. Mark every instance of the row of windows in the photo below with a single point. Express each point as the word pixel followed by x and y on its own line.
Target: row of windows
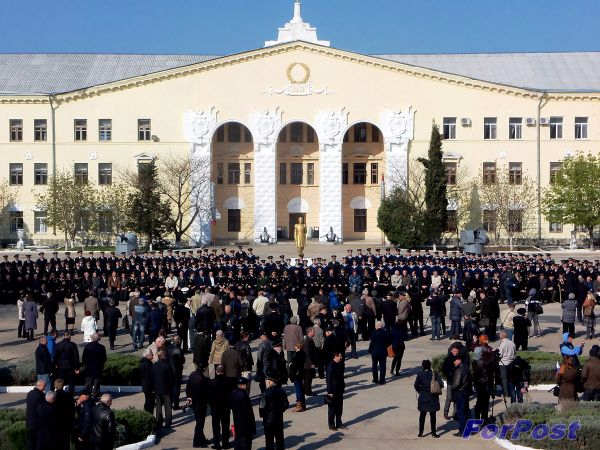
pixel 39 222
pixel 515 127
pixel 234 220
pixel 40 173
pixel 515 172
pixel 80 130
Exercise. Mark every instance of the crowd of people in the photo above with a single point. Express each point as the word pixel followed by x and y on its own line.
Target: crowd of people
pixel 308 318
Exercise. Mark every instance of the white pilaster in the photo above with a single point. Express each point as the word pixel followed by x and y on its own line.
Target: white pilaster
pixel 398 130
pixel 264 127
pixel 199 128
pixel 331 125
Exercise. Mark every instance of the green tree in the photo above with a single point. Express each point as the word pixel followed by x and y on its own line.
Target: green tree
pixel 148 211
pixel 114 210
pixel 436 201
pixel 401 219
pixel 574 194
pixel 474 209
pixel 69 205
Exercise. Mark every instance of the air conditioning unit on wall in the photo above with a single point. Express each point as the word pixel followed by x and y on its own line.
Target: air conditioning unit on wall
pixel 465 122
pixel 530 122
pixel 544 121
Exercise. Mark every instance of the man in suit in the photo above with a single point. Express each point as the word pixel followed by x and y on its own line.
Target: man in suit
pixel 243 416
pixel 335 392
pixel 35 398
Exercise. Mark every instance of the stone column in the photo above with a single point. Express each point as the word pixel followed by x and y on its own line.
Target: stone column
pixel 398 130
pixel 331 126
pixel 265 126
pixel 199 128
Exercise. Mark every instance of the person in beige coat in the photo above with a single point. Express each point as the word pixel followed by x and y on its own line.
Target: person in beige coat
pixel 169 303
pixel 217 349
pixel 70 303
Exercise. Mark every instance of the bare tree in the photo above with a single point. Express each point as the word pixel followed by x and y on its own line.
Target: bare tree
pixel 511 198
pixel 8 197
pixel 113 210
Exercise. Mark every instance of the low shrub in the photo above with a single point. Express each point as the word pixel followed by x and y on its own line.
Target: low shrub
pixel 14 437
pixel 137 425
pixel 20 373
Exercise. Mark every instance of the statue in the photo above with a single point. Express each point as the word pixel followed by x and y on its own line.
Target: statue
pixel 331 236
pixel 264 236
pixel 300 236
pixel 21 242
pixel 573 243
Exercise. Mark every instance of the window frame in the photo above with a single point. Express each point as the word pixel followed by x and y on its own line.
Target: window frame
pixel 220 173
pixel 283 173
pixel 515 172
pixel 15 175
pixel 360 220
pixel 516 227
pixel 359 176
pixel 16 219
pixel 41 178
pixel 80 130
pixel 450 171
pixel 310 173
pixel 105 130
pixel 15 130
pixel 104 178
pixel 296 173
pixel 247 173
pixel 556 127
pixel 490 128
pixel 451 224
pixel 374 173
pixel 80 176
pixel 489 176
pixel 360 132
pixel 555 227
pixel 40 130
pixel 345 173
pixel 39 224
pixel 581 127
pixel 144 130
pixel 449 128
pixel 234 220
pixel 233 173
pixel 489 220
pixel 515 128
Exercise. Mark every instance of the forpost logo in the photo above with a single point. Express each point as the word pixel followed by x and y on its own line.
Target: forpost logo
pixel 521 427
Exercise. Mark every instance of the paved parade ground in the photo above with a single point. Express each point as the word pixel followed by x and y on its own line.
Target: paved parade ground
pixel 378 417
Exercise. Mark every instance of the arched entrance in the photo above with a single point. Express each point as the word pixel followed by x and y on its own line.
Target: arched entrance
pixel 297 179
pixel 233 178
pixel 362 168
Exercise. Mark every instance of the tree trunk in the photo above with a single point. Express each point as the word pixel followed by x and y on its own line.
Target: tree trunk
pixel 510 243
pixel 591 232
pixel 177 240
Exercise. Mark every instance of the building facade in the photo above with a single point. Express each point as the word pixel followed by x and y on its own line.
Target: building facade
pixel 296 128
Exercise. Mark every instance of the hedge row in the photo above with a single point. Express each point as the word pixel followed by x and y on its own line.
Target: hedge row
pixel 120 370
pixel 543 365
pixel 133 425
pixel 587 413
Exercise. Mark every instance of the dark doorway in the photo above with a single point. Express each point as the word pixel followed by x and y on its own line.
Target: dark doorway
pixel 294 221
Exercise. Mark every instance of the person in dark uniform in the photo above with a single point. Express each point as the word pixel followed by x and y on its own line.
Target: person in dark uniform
pixel 335 392
pixel 243 416
pixel 220 407
pixel 197 394
pixel 273 403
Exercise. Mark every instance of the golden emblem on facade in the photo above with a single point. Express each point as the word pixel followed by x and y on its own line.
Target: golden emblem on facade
pixel 298 73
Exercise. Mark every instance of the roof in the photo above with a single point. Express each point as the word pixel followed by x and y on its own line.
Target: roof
pixel 29 74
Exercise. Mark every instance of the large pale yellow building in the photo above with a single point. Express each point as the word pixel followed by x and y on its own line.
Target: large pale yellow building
pixel 296 128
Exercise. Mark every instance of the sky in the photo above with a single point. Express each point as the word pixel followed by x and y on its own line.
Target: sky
pixel 366 26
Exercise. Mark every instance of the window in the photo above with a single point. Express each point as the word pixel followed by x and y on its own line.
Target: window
pixel 296 173
pixel 580 229
pixel 39 222
pixel 247 136
pixel 233 173
pixel 360 132
pixel 375 134
pixel 234 132
pixel 449 127
pixel 310 173
pixel 40 174
pixel 515 220
pixel 144 130
pixel 360 220
pixel 489 220
pixel 450 171
pixel 234 220
pixel 16 174
pixel 556 227
pixel 554 169
pixel 283 136
pixel 220 173
pixel 489 127
pixel 247 173
pixel 489 172
pixel 16 221
pixel 347 136
pixel 556 127
pixel 310 135
pixel 282 173
pixel 374 173
pixel 80 129
pixel 81 173
pixel 16 130
pixel 359 173
pixel 515 128
pixel 104 173
pixel 297 132
pixel 581 127
pixel 515 173
pixel 105 130
pixel 344 173
pixel 40 130
pixel 221 134
pixel 105 221
pixel 451 225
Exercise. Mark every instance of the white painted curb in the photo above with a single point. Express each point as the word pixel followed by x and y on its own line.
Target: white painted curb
pixel 542 387
pixel 149 442
pixel 111 389
pixel 505 443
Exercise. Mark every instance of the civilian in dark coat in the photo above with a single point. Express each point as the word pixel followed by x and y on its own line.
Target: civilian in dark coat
pixel 176 359
pixel 44 366
pixel 380 339
pixel 427 402
pixel 397 343
pixel 112 315
pixel 181 315
pixel 202 346
pixel 47 431
pixel 197 394
pixel 147 383
pixel 65 411
pixel 35 398
pixel 49 308
pixel 521 329
pixel 273 403
pixel 83 428
pixel 312 360
pixel 336 385
pixel 205 319
pixel 273 324
pixel 67 361
pixel 243 416
pixel 220 407
pixel 389 311
pixel 155 322
pixel 163 380
pixel 104 425
pixel 93 359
